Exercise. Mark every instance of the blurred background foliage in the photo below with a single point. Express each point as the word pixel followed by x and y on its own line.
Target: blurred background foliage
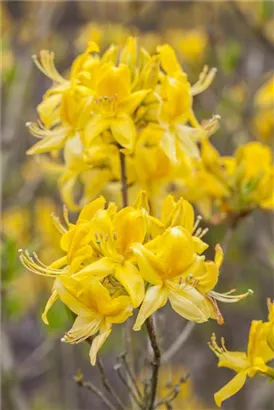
pixel 235 37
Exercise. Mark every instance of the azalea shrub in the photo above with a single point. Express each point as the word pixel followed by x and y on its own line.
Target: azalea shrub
pixel 143 184
pixel 112 121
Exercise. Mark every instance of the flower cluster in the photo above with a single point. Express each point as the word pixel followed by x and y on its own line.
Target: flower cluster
pixel 118 260
pixel 230 185
pixel 259 352
pixel 125 101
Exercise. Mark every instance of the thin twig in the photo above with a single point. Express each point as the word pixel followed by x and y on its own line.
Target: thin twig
pixel 90 386
pixel 171 396
pixel 128 384
pixel 155 363
pixel 124 179
pixel 107 384
pixel 178 343
pixel 133 379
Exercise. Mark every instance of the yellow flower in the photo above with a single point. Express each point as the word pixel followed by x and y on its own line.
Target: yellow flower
pixel 95 308
pixel 99 245
pixel 173 265
pixel 245 364
pixel 112 105
pixel 160 265
pixel 256 174
pixel 232 185
pixel 113 239
pixel 190 44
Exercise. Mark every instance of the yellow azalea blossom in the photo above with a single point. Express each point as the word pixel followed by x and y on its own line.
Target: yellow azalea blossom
pixel 112 105
pixel 124 101
pixel 248 364
pixel 113 240
pixel 176 106
pixel 173 265
pixel 99 245
pixel 230 185
pixel 95 308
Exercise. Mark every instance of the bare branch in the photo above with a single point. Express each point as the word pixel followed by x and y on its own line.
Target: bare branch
pixel 108 386
pixel 178 343
pixel 130 374
pixel 128 384
pixel 90 386
pixel 155 363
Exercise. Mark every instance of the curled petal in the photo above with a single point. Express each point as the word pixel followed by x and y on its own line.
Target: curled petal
pixel 50 302
pixel 105 330
pixel 83 327
pixel 230 388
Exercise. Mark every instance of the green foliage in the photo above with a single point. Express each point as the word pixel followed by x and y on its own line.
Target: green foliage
pixel 230 56
pixel 11 266
pixel 59 317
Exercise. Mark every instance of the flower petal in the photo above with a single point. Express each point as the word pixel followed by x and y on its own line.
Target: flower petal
pixel 129 276
pixel 105 330
pixel 54 296
pixel 148 264
pixel 124 132
pixel 230 388
pixel 83 327
pixel 155 298
pixel 189 304
pixel 94 127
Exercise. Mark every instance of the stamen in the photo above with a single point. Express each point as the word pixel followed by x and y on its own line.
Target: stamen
pixel 197 222
pixel 46 66
pixel 37 267
pixel 57 224
pixel 228 297
pixel 203 233
pixel 205 79
pixel 66 213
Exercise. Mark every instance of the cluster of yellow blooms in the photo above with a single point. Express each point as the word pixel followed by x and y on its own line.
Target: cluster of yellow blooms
pixel 229 185
pixel 190 44
pixel 259 352
pixel 119 260
pixel 141 106
pixel 126 118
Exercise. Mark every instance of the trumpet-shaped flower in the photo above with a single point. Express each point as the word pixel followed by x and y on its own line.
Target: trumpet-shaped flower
pixel 248 364
pixel 95 308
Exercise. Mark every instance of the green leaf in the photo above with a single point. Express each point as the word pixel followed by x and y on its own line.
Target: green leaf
pixel 58 317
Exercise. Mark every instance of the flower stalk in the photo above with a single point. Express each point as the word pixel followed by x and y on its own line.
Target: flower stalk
pixel 156 362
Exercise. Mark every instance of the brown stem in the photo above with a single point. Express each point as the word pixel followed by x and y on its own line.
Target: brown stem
pixel 124 179
pixel 90 386
pixel 155 363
